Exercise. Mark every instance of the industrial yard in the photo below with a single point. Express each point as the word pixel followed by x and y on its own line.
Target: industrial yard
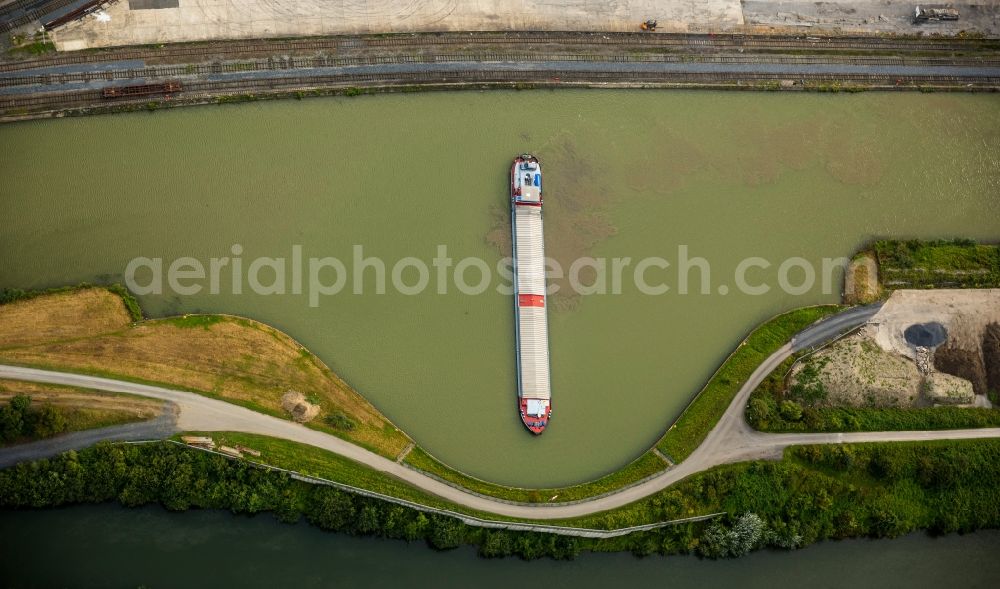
pixel 923 348
pixel 134 22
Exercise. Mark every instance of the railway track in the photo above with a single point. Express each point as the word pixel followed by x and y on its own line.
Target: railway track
pixel 172 71
pixel 8 22
pixel 41 102
pixel 222 50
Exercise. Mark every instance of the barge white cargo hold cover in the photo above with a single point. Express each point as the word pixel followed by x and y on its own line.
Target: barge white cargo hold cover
pixel 532 324
pixel 533 387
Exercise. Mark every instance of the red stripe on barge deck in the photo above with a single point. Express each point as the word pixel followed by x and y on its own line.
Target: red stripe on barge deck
pixel 530 300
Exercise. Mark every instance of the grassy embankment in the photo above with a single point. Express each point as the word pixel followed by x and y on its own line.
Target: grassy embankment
pixel 680 440
pixel 645 465
pixel 96 331
pixel 75 409
pixel 704 411
pixel 210 354
pixel 814 493
pixel 313 461
pixel 836 491
pixel 959 263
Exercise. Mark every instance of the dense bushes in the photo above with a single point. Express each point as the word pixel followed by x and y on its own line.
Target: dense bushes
pixel 19 421
pixel 131 304
pixel 817 492
pixel 941 486
pixel 180 478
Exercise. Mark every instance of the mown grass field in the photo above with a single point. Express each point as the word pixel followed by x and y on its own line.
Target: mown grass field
pixel 231 358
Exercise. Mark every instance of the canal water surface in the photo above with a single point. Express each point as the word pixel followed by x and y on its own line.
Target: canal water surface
pixel 627 175
pixel 108 546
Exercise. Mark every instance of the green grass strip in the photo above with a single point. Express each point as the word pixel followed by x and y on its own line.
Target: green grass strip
pixel 704 412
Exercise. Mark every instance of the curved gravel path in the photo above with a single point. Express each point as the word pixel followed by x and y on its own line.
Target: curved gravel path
pixel 732 439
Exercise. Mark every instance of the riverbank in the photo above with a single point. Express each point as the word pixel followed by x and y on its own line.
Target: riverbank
pixel 90 330
pixel 681 438
pixel 111 346
pixel 816 493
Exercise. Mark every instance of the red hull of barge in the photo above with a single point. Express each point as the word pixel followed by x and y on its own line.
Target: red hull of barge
pixel 535 425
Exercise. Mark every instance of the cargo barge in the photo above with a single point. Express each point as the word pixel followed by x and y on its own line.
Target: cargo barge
pixel 534 396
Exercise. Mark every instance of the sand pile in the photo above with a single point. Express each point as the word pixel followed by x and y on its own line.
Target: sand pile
pixel 300 409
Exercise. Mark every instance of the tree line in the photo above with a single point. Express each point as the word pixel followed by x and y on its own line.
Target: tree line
pixel 815 493
pixel 19 421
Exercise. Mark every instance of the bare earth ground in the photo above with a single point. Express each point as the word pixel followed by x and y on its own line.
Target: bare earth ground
pixel 229 19
pixel 199 20
pixel 856 372
pixel 882 16
pixel 965 313
pixel 231 358
pixel 876 367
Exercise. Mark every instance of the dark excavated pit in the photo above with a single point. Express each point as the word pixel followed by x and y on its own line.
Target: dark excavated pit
pixel 927 335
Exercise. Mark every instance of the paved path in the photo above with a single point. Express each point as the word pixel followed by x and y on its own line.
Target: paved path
pixel 732 440
pixel 161 426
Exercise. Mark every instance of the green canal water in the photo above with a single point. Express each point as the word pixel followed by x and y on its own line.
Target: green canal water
pixel 628 174
pixel 108 546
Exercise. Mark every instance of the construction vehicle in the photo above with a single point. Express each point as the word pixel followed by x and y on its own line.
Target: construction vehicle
pixel 940 13
pixel 649 25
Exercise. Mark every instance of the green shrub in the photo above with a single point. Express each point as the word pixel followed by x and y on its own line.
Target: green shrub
pixel 131 304
pixel 9 295
pixel 339 421
pixel 790 411
pixel 18 420
pixel 48 421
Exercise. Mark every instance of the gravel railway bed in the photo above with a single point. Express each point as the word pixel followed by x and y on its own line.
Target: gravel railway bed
pixel 11 105
pixel 648 41
pixel 295 63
